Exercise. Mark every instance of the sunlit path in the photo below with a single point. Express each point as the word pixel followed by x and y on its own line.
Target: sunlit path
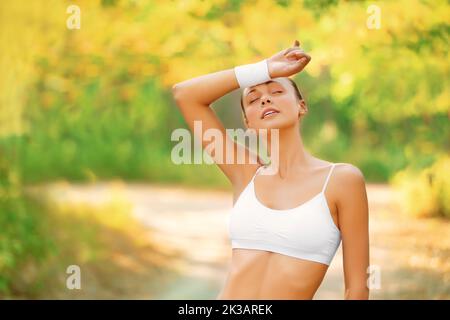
pixel 412 254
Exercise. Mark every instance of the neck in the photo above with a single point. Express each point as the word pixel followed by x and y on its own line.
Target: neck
pixel 291 151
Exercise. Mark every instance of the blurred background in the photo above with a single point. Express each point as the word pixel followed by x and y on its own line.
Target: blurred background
pixel 86 117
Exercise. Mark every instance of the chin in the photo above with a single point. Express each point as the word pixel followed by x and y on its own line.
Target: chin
pixel 277 124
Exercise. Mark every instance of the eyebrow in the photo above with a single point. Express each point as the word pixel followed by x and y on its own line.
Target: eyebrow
pixel 267 82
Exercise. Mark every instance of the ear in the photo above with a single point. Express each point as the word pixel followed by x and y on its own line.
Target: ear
pixel 303 108
pixel 244 118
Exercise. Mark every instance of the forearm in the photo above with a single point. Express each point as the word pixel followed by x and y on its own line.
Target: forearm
pixel 361 293
pixel 207 88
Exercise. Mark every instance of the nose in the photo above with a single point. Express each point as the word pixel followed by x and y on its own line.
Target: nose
pixel 266 100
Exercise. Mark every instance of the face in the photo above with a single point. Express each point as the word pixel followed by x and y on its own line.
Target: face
pixel 272 104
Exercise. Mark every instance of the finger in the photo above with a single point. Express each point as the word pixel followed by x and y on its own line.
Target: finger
pixel 295 50
pixel 295 47
pixel 296 53
pixel 301 60
pixel 304 60
pixel 288 50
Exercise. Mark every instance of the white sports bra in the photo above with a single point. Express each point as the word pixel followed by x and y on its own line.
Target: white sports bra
pixel 305 232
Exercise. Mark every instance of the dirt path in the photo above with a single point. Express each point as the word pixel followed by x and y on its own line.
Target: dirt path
pixel 412 256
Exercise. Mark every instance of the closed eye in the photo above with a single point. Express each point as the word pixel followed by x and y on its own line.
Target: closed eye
pixel 278 91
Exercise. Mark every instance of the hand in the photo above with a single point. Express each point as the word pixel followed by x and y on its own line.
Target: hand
pixel 288 62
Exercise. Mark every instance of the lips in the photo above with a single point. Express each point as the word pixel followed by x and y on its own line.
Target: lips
pixel 269 112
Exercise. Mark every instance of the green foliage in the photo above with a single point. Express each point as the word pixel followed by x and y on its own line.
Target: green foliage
pixel 24 237
pixel 425 193
pixel 40 239
pixel 95 102
pixel 320 6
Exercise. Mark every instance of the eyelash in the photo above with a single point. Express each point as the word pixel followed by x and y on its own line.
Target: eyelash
pixel 258 98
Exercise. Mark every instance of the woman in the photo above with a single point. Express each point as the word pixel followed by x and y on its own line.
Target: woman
pixel 285 227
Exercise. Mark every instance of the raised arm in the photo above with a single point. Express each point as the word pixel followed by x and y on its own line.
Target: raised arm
pixel 194 97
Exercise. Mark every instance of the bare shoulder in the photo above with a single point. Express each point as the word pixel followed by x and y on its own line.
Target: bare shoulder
pixel 349 173
pixel 349 182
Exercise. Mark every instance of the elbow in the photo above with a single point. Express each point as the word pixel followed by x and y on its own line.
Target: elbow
pixel 176 92
pixel 181 94
pixel 176 87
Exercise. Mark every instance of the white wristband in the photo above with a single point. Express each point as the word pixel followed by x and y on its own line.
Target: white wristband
pixel 252 74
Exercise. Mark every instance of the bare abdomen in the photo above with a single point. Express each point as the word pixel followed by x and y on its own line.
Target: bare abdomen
pixel 256 274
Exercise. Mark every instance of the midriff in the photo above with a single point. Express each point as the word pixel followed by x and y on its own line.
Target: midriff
pixel 257 274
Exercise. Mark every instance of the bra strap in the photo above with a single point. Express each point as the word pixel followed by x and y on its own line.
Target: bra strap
pixel 328 177
pixel 257 171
